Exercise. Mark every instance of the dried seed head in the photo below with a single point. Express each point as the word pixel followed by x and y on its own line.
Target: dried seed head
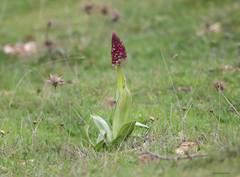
pixel 48 44
pixel 211 111
pixel 115 16
pixel 105 10
pixel 111 102
pixel 219 85
pixel 61 125
pixel 118 50
pixel 55 80
pixel 88 8
pixel 49 24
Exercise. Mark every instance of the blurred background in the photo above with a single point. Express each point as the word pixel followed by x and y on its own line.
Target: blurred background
pixel 183 68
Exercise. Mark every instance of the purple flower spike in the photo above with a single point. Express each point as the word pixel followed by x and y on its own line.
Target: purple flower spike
pixel 118 50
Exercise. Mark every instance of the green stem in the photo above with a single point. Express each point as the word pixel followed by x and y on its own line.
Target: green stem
pixel 121 81
pixel 123 98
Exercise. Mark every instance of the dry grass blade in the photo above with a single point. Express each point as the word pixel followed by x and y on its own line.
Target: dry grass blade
pixel 184 89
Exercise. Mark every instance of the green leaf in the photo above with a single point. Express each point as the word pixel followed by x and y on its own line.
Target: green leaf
pixel 85 136
pixel 101 136
pixel 124 101
pixel 124 133
pixel 103 127
pixel 100 145
pixel 138 124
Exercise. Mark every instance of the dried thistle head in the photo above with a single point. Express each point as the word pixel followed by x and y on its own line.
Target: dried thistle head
pixel 55 80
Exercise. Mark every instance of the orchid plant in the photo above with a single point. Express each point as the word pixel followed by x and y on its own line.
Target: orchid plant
pixel 122 124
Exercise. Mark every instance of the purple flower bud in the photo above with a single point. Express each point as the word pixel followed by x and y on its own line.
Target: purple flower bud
pixel 118 50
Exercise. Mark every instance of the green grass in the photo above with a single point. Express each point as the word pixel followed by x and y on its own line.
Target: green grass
pixel 153 32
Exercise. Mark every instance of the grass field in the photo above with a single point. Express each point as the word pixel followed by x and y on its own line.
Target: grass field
pixel 171 71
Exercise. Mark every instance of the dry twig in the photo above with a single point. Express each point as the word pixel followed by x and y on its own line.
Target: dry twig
pixel 149 156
